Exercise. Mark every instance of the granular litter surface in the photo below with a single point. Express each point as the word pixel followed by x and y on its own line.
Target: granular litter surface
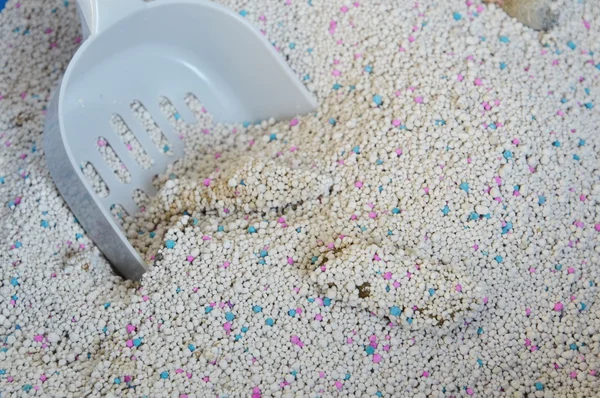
pixel 432 230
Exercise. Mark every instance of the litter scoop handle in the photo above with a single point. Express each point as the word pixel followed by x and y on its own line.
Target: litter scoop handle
pixel 97 15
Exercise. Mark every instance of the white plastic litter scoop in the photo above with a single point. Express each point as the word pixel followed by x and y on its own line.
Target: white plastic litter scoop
pixel 138 50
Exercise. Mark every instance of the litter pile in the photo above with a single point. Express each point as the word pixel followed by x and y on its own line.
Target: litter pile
pixel 432 230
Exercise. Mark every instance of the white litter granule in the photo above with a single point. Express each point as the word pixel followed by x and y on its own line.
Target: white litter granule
pixel 431 231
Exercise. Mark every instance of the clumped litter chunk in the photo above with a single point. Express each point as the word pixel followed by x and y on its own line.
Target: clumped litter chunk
pixel 249 185
pixel 390 283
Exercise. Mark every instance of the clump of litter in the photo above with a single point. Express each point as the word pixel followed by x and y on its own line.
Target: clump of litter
pixel 536 14
pixel 432 230
pixel 389 283
pixel 248 186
